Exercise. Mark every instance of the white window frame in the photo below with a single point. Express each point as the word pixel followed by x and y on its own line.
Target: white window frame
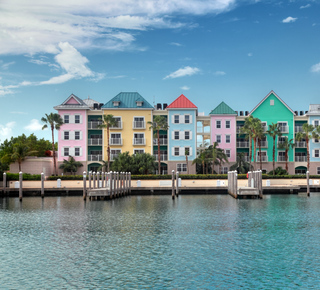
pixel 318 170
pixel 75 135
pixel 185 135
pixel 64 119
pixel 313 122
pixel 228 142
pixel 64 135
pixel 228 152
pixel 175 151
pixel 218 124
pixel 182 167
pixel 75 148
pixel 144 122
pixel 228 122
pixel 79 119
pixel 218 136
pixel 316 152
pixel 174 119
pixel 176 135
pixel 138 149
pixel 271 102
pixel 189 117
pixel 64 151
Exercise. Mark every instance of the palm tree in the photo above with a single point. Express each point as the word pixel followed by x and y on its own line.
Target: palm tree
pixel 103 166
pixel 221 158
pixel 241 165
pixel 201 159
pixel 308 132
pixel 144 163
pixel 274 131
pixel 260 135
pixel 20 152
pixel 186 152
pixel 159 123
pixel 257 132
pixel 216 155
pixel 70 165
pixel 123 162
pixel 107 122
pixel 55 121
pixel 286 145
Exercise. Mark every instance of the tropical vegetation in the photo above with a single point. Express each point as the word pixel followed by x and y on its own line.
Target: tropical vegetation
pixel 274 131
pixel 241 165
pixel 70 165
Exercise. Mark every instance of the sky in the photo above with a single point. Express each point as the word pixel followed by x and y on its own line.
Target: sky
pixel 235 51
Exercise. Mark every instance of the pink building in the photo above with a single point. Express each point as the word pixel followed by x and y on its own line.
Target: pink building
pixel 223 131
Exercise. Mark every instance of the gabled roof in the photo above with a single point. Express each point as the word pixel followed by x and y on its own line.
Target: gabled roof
pixel 127 100
pixel 272 92
pixel 223 109
pixel 182 102
pixel 72 102
pixel 90 102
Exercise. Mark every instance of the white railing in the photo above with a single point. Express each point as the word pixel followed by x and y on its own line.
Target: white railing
pixel 113 156
pixel 301 144
pixel 284 129
pixel 162 141
pixel 115 141
pixel 239 129
pixel 242 144
pixel 94 157
pixel 298 129
pixel 263 158
pixel 263 144
pixel 300 158
pixel 139 141
pixel 94 124
pixel 163 157
pixel 117 126
pixel 94 141
pixel 281 159
pixel 139 125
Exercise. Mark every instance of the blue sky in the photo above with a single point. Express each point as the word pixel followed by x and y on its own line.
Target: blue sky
pixel 211 51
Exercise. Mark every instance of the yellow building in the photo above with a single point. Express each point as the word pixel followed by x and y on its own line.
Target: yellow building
pixel 132 132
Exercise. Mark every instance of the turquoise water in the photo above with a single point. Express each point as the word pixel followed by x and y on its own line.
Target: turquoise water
pixel 194 242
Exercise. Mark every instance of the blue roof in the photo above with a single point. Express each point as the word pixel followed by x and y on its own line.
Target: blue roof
pixel 127 100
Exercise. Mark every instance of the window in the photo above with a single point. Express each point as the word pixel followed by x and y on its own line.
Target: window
pixel 77 119
pixel 316 123
pixel 77 135
pixel 66 135
pixel 176 135
pixel 186 135
pixel 116 103
pixel 66 119
pixel 138 139
pixel 186 119
pixel 218 124
pixel 187 151
pixel 176 151
pixel 182 167
pixel 118 122
pixel 114 153
pixel 176 119
pixel 263 157
pixel 139 103
pixel 316 153
pixel 138 122
pixel 115 139
pixel 138 151
pixel 264 126
pixel 281 156
pixel 271 102
pixel 228 153
pixel 66 151
pixel 318 170
pixel 224 170
pixel 316 140
pixel 228 138
pixel 218 138
pixel 76 151
pixel 283 126
pixel 227 124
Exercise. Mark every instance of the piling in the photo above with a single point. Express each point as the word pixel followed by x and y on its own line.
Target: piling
pixel 4 183
pixel 84 185
pixel 111 186
pixel 177 184
pixel 308 184
pixel 94 179
pixel 42 185
pixel 118 184
pixel 129 182
pixel 90 175
pixel 20 186
pixel 98 179
pixel 172 192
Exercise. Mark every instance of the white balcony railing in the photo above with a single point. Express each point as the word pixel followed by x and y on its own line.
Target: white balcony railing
pixel 284 129
pixel 281 159
pixel 239 129
pixel 117 126
pixel 301 144
pixel 162 141
pixel 163 157
pixel 139 141
pixel 94 124
pixel 264 144
pixel 263 158
pixel 242 144
pixel 94 141
pixel 298 129
pixel 113 156
pixel 94 157
pixel 139 125
pixel 300 158
pixel 115 141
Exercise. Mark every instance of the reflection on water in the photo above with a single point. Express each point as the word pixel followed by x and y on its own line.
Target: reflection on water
pixel 153 242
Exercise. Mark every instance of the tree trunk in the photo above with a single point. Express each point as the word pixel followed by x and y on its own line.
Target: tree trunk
pixel 159 164
pixel 187 164
pixel 286 156
pixel 108 149
pixel 254 152
pixel 274 153
pixel 203 167
pixel 308 154
pixel 260 154
pixel 53 152
pixel 250 151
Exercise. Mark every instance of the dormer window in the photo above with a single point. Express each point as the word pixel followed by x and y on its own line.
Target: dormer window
pixel 116 103
pixel 139 103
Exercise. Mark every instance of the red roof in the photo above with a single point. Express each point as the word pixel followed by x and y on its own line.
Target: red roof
pixel 182 102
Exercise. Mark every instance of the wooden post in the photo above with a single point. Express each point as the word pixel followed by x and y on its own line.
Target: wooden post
pixel 94 179
pixel 172 192
pixel 4 183
pixel 42 185
pixel 111 184
pixel 235 182
pixel 90 175
pixel 129 182
pixel 98 179
pixel 177 184
pixel 308 185
pixel 118 184
pixel 84 185
pixel 20 186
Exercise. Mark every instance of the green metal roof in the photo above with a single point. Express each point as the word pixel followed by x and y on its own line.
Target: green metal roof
pixel 223 109
pixel 127 100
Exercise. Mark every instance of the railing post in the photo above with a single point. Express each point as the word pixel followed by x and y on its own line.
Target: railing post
pixel 20 186
pixel 111 186
pixel 84 185
pixel 90 175
pixel 172 192
pixel 42 185
pixel 94 179
pixel 130 182
pixel 308 184
pixel 4 183
pixel 177 184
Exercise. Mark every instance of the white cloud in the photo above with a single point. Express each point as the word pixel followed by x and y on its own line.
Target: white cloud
pixel 34 125
pixel 289 19
pixel 6 130
pixel 305 6
pixel 250 54
pixel 185 88
pixel 220 73
pixel 315 68
pixel 175 44
pixel 6 65
pixel 182 72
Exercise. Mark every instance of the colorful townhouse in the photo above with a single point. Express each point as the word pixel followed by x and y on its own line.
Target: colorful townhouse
pixel 313 116
pixel 182 144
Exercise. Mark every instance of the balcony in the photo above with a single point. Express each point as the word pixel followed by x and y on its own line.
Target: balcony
pixel 284 129
pixel 139 125
pixel 298 129
pixel 263 158
pixel 239 129
pixel 113 156
pixel 279 144
pixel 300 158
pixel 94 124
pixel 163 157
pixel 115 141
pixel 94 157
pixel 301 144
pixel 264 144
pixel 281 159
pixel 117 126
pixel 162 141
pixel 139 141
pixel 94 141
pixel 242 144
